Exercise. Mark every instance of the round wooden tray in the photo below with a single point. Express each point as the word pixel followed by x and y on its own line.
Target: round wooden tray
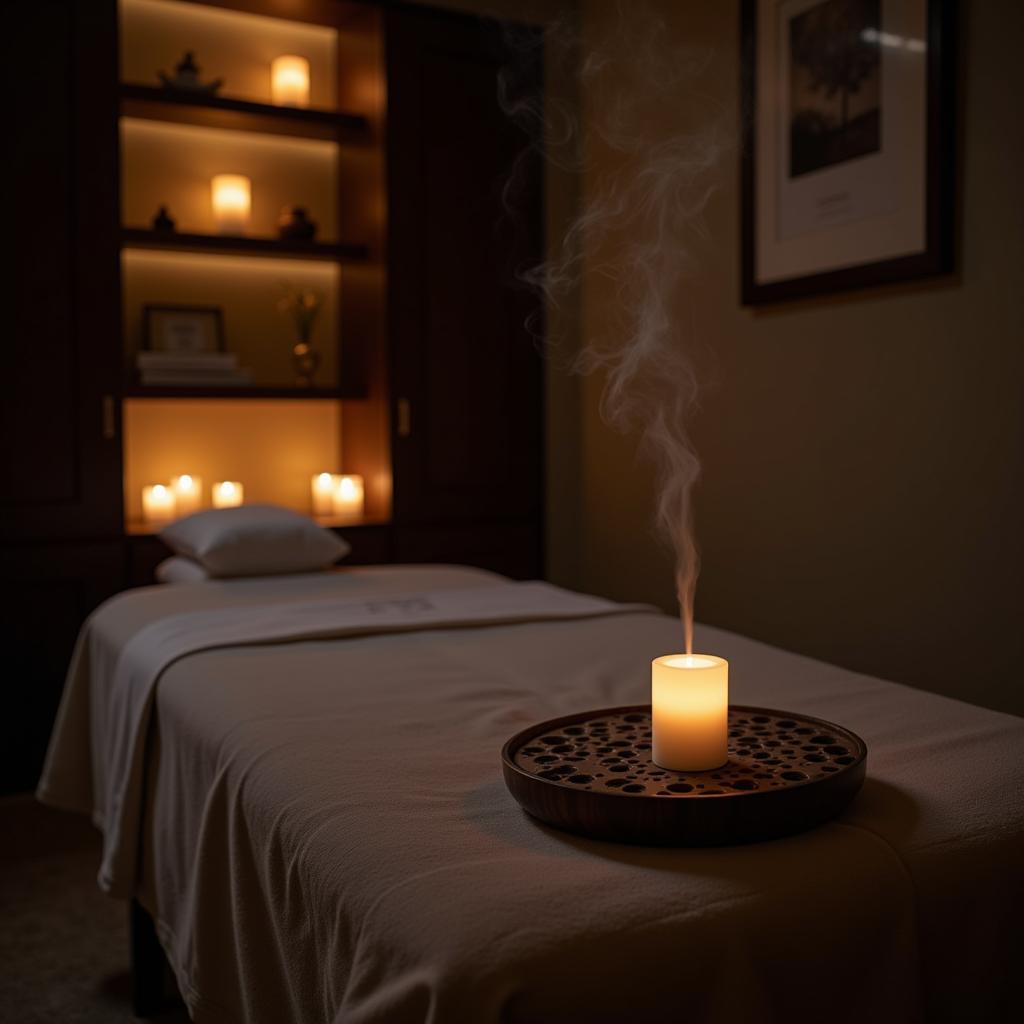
pixel 592 774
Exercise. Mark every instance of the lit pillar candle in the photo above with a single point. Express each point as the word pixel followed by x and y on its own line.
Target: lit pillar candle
pixel 324 487
pixel 157 503
pixel 188 493
pixel 289 81
pixel 231 195
pixel 690 711
pixel 227 494
pixel 348 497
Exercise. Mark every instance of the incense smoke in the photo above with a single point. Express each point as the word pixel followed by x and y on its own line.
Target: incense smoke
pixel 641 214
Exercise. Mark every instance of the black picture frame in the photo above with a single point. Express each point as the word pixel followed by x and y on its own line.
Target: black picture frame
pixel 152 312
pixel 937 256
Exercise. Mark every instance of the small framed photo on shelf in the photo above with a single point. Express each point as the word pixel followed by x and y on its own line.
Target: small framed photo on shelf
pixel 848 149
pixel 183 330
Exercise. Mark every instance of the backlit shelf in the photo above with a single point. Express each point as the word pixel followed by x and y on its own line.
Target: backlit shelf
pixel 156 103
pixel 247 391
pixel 144 238
pixel 140 528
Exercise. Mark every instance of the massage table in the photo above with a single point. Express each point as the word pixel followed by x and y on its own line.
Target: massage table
pixel 298 780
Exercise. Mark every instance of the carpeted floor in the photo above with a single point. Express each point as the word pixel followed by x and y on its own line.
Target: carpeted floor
pixel 63 944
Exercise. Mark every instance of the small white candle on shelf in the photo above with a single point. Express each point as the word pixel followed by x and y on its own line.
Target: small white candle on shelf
pixel 348 497
pixel 227 494
pixel 289 81
pixel 188 493
pixel 324 487
pixel 690 711
pixel 158 504
pixel 231 196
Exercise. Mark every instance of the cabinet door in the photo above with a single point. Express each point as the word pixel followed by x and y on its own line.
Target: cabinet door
pixel 59 454
pixel 47 590
pixel 466 369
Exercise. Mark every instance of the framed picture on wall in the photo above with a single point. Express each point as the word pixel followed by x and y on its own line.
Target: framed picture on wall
pixel 848 154
pixel 183 330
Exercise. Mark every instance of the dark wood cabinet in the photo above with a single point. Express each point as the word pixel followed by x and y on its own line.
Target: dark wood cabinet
pixel 61 549
pixel 48 591
pixel 60 456
pixel 466 368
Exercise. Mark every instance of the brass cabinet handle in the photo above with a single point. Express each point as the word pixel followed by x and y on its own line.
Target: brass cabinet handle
pixel 109 421
pixel 404 418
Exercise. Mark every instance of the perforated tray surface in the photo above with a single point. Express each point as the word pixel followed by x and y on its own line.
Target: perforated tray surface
pixel 592 773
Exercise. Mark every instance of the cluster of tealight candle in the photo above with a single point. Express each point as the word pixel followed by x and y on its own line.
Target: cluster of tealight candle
pixel 338 495
pixel 184 494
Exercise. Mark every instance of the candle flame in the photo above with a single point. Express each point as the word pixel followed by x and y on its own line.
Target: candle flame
pixel 695 661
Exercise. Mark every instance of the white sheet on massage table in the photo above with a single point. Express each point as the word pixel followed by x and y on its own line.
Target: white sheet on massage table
pixel 332 840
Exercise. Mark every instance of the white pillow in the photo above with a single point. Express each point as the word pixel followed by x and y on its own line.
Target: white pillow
pixel 180 570
pixel 253 540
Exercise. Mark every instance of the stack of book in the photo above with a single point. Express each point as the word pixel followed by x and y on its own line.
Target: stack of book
pixel 191 369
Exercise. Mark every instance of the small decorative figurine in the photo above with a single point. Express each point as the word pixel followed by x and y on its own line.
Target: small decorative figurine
pixel 294 224
pixel 186 77
pixel 163 221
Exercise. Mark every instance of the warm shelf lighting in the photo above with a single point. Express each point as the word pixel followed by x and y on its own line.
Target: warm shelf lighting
pixel 323 487
pixel 158 505
pixel 348 498
pixel 289 81
pixel 227 494
pixel 188 493
pixel 231 195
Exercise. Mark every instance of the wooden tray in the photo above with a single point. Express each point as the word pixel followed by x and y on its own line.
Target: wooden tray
pixel 592 774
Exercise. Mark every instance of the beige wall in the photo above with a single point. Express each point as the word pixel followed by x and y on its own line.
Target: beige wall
pixel 862 455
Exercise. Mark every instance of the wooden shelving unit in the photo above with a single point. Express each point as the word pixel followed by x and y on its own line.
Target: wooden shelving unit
pixel 161 104
pixel 231 245
pixel 346 117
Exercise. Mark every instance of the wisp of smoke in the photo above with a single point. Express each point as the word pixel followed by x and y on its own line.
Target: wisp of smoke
pixel 646 180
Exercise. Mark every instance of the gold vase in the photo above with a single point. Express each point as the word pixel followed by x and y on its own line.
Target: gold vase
pixel 306 361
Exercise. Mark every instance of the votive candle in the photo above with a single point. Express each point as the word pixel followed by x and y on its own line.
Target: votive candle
pixel 690 711
pixel 227 494
pixel 158 505
pixel 289 81
pixel 324 486
pixel 188 493
pixel 348 497
pixel 231 196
